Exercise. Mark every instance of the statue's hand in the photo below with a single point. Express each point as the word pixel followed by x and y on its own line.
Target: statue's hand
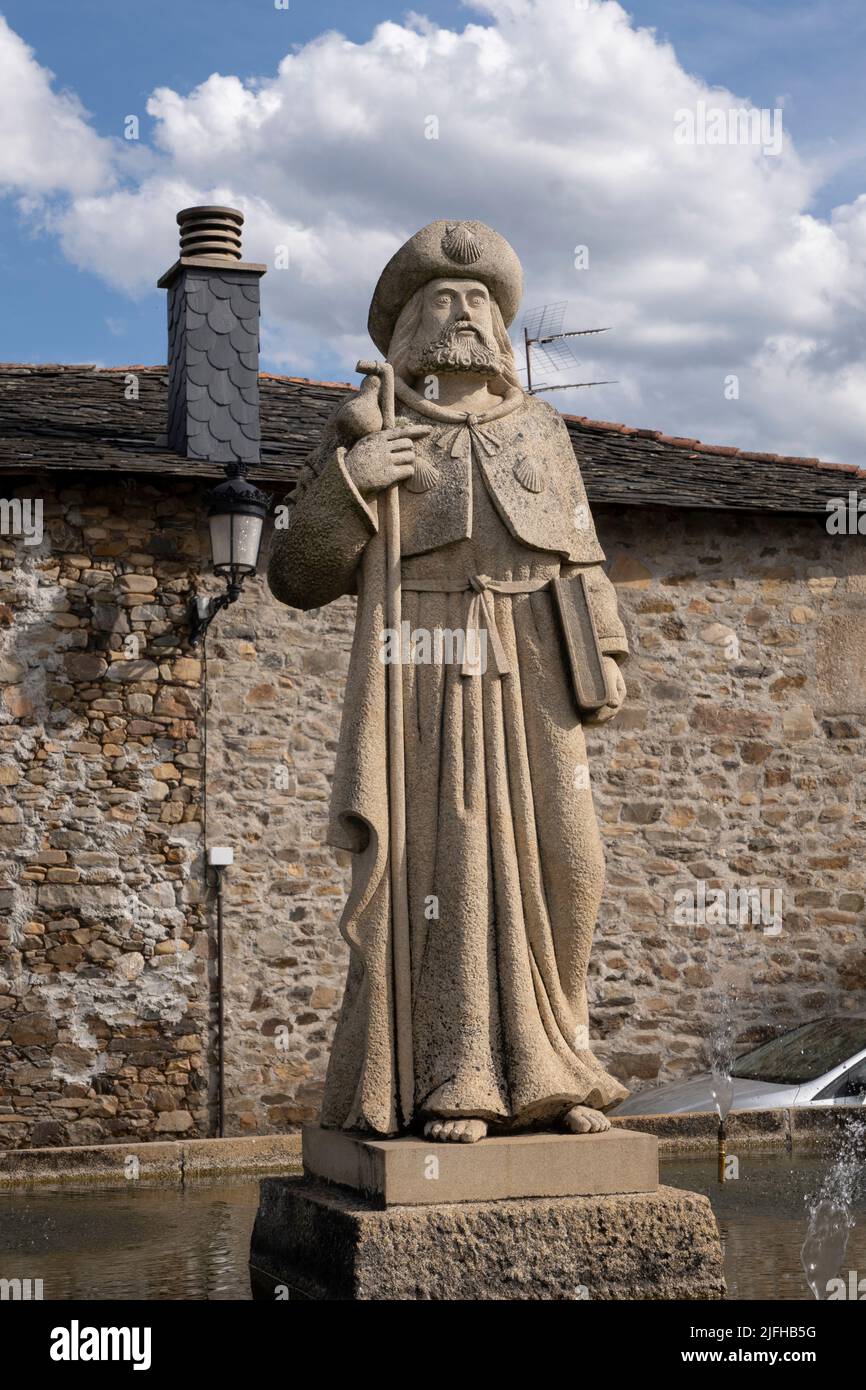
pixel 381 460
pixel 616 683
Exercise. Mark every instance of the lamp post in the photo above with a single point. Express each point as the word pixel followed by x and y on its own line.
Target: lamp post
pixel 219 857
pixel 236 515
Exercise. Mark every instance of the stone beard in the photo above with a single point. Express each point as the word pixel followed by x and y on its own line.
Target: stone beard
pixel 504 858
pixel 451 352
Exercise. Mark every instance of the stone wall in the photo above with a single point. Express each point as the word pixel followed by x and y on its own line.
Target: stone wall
pixel 104 999
pixel 275 683
pixel 738 762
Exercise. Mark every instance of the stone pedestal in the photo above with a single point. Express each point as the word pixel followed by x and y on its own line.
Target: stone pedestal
pixel 540 1217
pixel 418 1172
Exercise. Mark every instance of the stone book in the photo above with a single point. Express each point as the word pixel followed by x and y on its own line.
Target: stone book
pixel 585 657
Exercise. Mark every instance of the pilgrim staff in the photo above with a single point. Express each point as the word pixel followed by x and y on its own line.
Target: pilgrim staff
pixel 400 958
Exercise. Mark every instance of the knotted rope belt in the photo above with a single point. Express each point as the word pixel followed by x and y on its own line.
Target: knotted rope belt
pixel 481 586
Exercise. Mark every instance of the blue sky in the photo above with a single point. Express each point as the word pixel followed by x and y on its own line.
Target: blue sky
pixel 112 56
pixel 62 304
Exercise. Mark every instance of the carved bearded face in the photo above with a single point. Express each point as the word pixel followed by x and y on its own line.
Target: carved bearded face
pixel 455 331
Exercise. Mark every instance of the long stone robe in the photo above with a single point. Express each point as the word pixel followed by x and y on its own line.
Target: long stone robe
pixel 505 864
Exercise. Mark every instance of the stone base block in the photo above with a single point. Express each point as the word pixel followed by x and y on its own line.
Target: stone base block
pixel 412 1172
pixel 315 1241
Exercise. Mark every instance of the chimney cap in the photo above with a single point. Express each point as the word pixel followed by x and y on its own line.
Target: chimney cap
pixel 210 232
pixel 206 208
pixel 210 239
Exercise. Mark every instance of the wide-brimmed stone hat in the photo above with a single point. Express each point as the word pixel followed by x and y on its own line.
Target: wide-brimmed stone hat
pixel 445 249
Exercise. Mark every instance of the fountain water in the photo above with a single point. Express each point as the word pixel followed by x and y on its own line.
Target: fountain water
pixel 721 1065
pixel 831 1217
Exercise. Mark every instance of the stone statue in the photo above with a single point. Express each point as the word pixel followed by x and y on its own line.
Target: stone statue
pixel 503 860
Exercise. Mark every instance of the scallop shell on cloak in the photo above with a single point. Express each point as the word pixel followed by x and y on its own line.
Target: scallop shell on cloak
pixel 528 474
pixel 426 475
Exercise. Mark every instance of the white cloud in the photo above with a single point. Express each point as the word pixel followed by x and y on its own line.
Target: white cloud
pixel 556 125
pixel 46 143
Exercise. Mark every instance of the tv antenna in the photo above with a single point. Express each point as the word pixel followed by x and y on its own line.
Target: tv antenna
pixel 542 331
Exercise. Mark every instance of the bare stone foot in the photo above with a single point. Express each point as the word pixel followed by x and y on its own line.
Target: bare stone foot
pixel 457 1131
pixel 581 1120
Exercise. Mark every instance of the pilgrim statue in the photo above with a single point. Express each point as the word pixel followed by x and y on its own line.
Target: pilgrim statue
pixel 461 784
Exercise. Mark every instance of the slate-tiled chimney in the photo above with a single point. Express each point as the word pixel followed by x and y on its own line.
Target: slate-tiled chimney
pixel 213 340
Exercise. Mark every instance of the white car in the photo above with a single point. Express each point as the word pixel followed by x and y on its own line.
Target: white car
pixel 818 1063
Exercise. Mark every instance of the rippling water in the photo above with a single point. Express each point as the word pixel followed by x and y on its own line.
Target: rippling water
pixel 192 1243
pixel 143 1243
pixel 763 1218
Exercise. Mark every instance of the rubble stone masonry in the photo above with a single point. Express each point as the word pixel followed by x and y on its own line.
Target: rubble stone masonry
pixel 739 762
pixel 104 997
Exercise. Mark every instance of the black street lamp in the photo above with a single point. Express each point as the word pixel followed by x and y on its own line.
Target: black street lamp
pixel 236 515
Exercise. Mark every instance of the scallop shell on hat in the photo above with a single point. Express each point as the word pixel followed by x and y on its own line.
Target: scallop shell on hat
pixel 461 245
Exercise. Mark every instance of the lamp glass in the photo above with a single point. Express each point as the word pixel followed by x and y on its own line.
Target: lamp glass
pixel 235 539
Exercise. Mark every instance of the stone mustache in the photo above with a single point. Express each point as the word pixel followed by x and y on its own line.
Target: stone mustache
pixel 503 858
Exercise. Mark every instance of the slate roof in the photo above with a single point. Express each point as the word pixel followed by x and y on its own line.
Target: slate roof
pixel 78 417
